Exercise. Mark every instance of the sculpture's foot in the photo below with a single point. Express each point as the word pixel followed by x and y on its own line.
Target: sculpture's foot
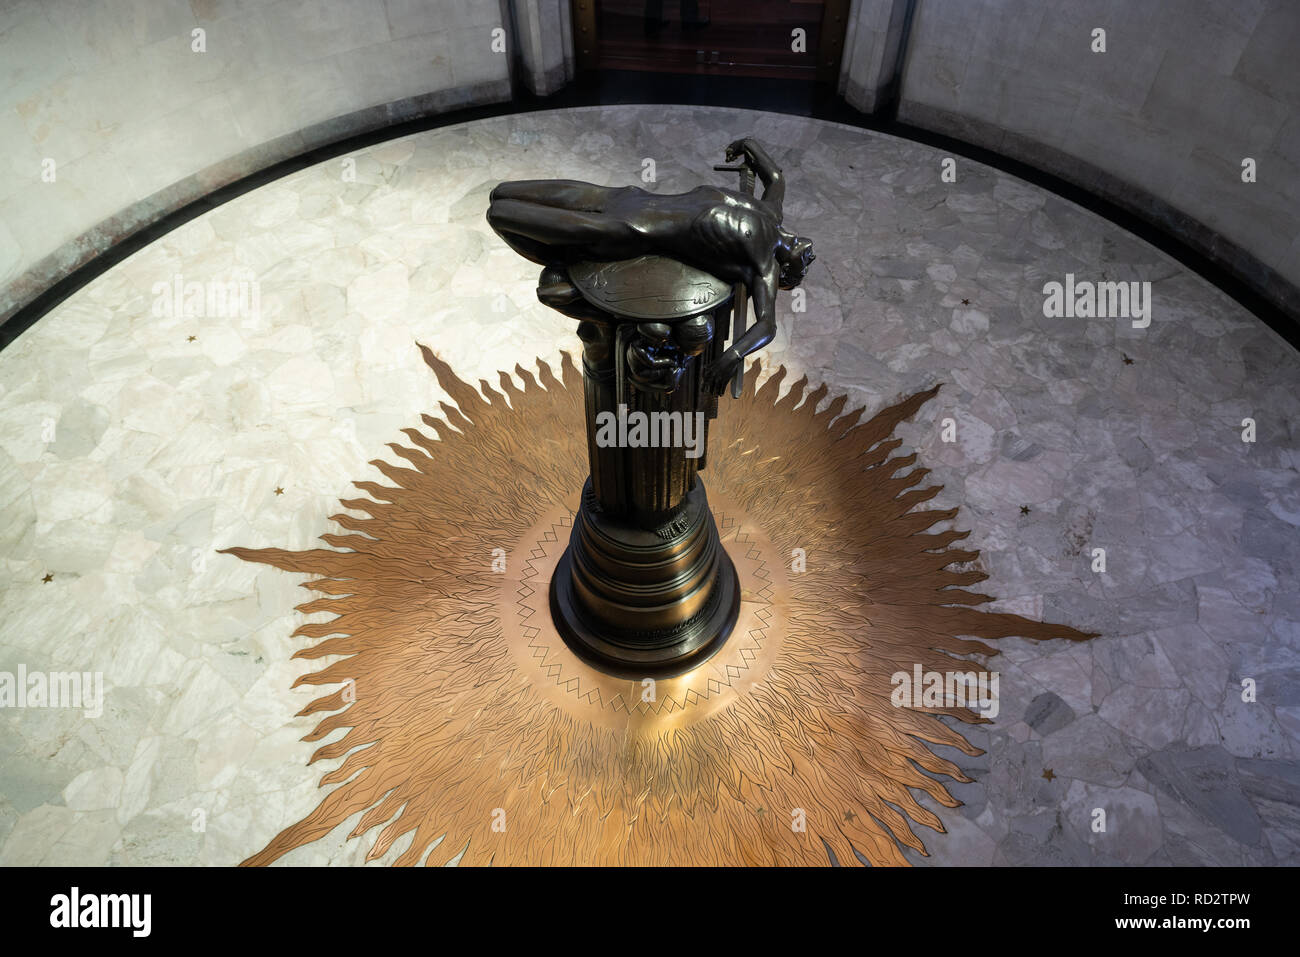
pixel 554 288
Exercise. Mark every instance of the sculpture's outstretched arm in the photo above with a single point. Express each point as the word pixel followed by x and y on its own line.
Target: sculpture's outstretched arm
pixel 768 173
pixel 762 292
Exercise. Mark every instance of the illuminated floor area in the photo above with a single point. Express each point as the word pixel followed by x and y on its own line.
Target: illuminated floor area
pixel 135 441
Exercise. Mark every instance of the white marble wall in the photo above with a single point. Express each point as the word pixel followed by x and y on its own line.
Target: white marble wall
pixel 114 95
pixel 1185 90
pixel 545 39
pixel 870 51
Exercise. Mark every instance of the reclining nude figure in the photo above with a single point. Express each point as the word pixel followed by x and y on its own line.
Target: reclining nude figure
pixel 732 235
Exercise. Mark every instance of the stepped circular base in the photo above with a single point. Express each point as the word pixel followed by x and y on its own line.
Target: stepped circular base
pixel 683 648
pixel 643 706
pixel 637 602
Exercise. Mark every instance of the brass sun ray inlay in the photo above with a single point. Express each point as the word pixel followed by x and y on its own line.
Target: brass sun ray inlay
pixel 468 718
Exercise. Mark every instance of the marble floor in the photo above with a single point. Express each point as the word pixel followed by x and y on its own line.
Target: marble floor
pixel 135 439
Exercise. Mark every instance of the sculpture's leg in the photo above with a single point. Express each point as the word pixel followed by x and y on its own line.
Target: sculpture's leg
pixel 532 228
pixel 559 193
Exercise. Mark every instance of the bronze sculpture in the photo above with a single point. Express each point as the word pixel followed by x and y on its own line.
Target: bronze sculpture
pixel 724 232
pixel 655 282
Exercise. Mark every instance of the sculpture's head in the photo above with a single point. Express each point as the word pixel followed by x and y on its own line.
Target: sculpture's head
pixel 795 255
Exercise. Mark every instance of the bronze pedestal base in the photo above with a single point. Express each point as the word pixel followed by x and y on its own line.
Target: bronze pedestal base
pixel 645 602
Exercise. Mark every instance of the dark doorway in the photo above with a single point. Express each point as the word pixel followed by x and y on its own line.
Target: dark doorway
pixel 783 39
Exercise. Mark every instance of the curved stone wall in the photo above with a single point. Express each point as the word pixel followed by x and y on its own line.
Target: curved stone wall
pixel 114 114
pixel 1163 121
